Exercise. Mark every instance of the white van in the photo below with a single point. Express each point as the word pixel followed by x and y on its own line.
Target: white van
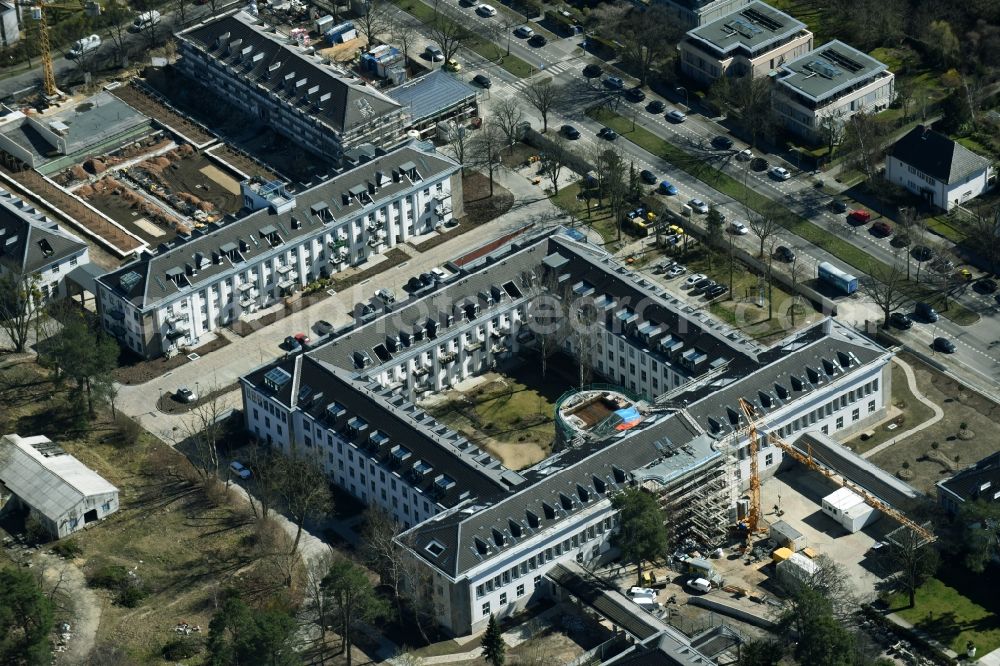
pixel 699 585
pixel 85 45
pixel 145 20
pixel 647 604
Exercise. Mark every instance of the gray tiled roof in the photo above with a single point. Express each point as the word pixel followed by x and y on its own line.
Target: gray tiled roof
pixel 981 481
pixel 286 72
pixel 151 286
pixel 827 70
pixel 752 27
pixel 51 484
pixel 29 241
pixel 426 440
pixel 555 478
pixel 937 156
pixel 429 95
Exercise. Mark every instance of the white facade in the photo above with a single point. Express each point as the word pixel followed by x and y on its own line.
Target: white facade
pixel 280 263
pixel 939 193
pixel 849 509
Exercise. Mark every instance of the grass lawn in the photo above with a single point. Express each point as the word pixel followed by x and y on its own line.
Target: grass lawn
pixel 700 169
pixel 912 412
pixel 483 47
pixel 945 226
pixel 599 217
pixel 954 608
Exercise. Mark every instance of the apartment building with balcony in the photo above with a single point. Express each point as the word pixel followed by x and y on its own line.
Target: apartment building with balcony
pixel 834 81
pixel 321 107
pixel 752 41
pixel 486 535
pixel 170 297
pixel 33 245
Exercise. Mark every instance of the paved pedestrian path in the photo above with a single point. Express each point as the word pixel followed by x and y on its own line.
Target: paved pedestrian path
pixel 911 381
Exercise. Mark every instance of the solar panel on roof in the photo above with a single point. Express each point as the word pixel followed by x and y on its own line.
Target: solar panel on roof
pixel 769 22
pixel 129 280
pixel 746 29
pixel 844 61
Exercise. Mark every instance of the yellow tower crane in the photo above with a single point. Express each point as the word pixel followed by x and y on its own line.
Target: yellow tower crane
pixel 38 12
pixel 810 462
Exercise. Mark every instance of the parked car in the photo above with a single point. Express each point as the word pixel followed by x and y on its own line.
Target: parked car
pixel 779 173
pixel 592 71
pixel 635 94
pixel 453 65
pixel 857 217
pixel 486 10
pixel 83 46
pixel 642 592
pixel 837 206
pixel 693 279
pixel 922 253
pixel 537 40
pixel 881 229
pixel 675 271
pixel 926 312
pixel 291 345
pixel 738 228
pixel 608 134
pixel 570 132
pixel 676 116
pixel 663 266
pixel 656 106
pixel 722 142
pixel 523 32
pixel 483 80
pixel 184 394
pixel 303 340
pixel 614 82
pixel 433 53
pixel 701 286
pixel 666 187
pixel 647 177
pixel 759 164
pixel 900 320
pixel 783 253
pixel 239 470
pixel 964 274
pixel 744 155
pixel 944 345
pixel 716 291
pixel 698 206
pixel 145 20
pixel 322 327
pixel 699 585
pixel 985 286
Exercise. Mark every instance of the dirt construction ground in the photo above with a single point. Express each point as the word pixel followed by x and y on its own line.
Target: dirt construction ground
pixel 932 454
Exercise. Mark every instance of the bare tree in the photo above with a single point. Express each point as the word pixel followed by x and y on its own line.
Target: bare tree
pixel 649 36
pixel 20 308
pixel 765 223
pixel 449 35
pixel 866 136
pixel 485 150
pixel 149 30
pixel 553 160
pixel 985 227
pixel 181 7
pixel 543 96
pixel 305 490
pixel 546 312
pixel 372 21
pixel 884 285
pixel 507 115
pixel 204 428
pixel 831 128
pixel 265 480
pixel 402 32
pixel 584 336
pixel 317 600
pixel 459 141
pixel 117 20
pixel 914 557
pixel 612 178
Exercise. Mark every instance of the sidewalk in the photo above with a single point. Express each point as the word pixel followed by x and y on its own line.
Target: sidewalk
pixel 911 381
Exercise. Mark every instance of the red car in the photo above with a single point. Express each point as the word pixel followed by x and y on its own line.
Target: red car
pixel 303 340
pixel 881 229
pixel 859 217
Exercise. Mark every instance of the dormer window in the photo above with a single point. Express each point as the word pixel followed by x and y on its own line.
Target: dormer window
pixel 435 548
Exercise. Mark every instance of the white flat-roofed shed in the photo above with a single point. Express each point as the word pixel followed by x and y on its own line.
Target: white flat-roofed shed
pixel 59 490
pixel 849 509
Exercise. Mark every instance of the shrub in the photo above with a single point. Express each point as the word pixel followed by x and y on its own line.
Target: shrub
pixel 127 431
pixel 68 548
pixel 109 577
pixel 132 595
pixel 906 465
pixel 181 648
pixel 963 425
pixel 935 445
pixel 35 530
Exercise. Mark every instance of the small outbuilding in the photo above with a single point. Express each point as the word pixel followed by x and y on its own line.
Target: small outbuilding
pixel 849 509
pixel 59 490
pixel 796 567
pixel 785 535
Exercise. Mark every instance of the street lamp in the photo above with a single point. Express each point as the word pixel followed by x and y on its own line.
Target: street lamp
pixel 679 89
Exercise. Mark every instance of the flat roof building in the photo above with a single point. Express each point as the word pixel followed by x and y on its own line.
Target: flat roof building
pixel 59 490
pixel 834 81
pixel 692 13
pixel 754 41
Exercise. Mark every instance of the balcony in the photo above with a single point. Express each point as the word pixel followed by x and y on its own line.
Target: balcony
pixel 475 345
pixel 246 286
pixel 448 357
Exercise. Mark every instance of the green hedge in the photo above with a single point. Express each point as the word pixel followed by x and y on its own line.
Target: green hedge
pixel 560 22
pixel 530 8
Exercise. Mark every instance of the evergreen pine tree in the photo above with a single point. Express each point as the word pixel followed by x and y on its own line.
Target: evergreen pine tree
pixel 494 648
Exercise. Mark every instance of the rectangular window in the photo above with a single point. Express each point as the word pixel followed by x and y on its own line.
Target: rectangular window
pixel 769 460
pixel 486 609
pixel 520 590
pixel 856 414
pixel 503 598
pixel 871 406
pixel 840 422
pixel 480 590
